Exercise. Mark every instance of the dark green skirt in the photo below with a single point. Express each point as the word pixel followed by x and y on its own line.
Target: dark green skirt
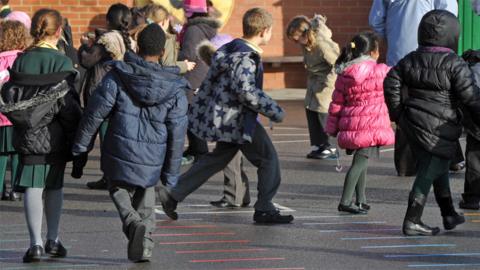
pixel 40 176
pixel 6 136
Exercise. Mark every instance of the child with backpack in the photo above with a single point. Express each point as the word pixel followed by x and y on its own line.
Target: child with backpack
pixel 147 106
pixel 358 115
pixel 41 102
pixel 425 92
pixel 14 40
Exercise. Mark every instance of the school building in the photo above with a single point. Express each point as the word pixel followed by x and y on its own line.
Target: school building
pixel 283 64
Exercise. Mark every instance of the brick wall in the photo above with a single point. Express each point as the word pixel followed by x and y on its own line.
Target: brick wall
pixel 345 17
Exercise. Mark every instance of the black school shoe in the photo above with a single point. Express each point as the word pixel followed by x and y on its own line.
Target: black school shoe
pixel 363 206
pixel 136 233
pixel 274 217
pixel 55 248
pixel 223 203
pixel 169 204
pixel 33 254
pixel 352 209
pixel 100 184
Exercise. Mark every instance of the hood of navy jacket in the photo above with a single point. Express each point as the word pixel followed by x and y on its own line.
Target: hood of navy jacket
pixel 439 28
pixel 149 83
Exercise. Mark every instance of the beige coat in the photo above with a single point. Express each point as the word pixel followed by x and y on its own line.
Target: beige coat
pixel 319 63
pixel 171 53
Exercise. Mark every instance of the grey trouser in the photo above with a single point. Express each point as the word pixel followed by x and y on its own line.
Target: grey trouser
pixel 135 204
pixel 261 153
pixel 236 190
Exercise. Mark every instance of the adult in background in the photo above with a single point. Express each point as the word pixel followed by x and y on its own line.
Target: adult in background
pixel 397 22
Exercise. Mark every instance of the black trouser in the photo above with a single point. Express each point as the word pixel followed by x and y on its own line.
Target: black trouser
pixel 260 152
pixel 196 146
pixel 316 123
pixel 472 174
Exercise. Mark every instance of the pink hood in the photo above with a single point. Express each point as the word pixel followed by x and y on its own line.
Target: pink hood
pixel 6 61
pixel 358 115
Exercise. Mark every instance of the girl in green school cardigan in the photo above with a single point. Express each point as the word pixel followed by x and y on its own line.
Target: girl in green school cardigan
pixel 44 108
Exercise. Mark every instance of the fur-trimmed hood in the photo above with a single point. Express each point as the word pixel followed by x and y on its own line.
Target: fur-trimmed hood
pixel 209 21
pixel 319 26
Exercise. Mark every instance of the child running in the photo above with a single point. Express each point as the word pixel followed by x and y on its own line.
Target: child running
pixel 14 40
pixel 424 93
pixel 358 115
pixel 41 102
pixel 147 106
pixel 225 111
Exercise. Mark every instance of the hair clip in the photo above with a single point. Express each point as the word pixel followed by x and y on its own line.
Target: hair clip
pixel 352 45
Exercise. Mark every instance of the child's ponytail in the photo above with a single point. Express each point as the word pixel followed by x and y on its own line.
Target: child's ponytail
pixel 362 44
pixel 119 18
pixel 45 23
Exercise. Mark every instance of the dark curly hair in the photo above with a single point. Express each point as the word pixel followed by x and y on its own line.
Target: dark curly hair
pixel 13 36
pixel 151 41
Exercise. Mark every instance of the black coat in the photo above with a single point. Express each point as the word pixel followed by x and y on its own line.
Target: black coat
pixel 197 30
pixel 45 111
pixel 426 90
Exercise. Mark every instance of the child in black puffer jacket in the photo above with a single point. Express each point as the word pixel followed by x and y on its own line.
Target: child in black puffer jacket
pixel 424 94
pixel 471 194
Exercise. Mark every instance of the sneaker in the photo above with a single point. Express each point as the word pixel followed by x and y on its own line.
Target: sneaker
pixel 351 209
pixel 187 160
pixel 33 254
pixel 136 233
pixel 274 217
pixel 329 153
pixel 169 205
pixel 100 184
pixel 55 248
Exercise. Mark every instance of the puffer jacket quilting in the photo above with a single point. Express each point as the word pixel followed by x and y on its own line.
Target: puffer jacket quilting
pixel 358 115
pixel 147 106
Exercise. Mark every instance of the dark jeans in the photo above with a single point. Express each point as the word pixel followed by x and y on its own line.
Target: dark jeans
pixel 316 124
pixel 196 146
pixel 472 174
pixel 261 153
pixel 135 204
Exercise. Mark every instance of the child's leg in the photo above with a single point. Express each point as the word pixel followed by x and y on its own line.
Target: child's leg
pixel 53 210
pixel 3 172
pixel 471 193
pixel 144 202
pixel 262 154
pixel 14 166
pixel 33 213
pixel 315 129
pixel 122 198
pixel 359 165
pixel 361 186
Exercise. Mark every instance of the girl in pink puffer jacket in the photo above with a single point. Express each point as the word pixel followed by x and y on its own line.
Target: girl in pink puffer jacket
pixel 14 40
pixel 358 115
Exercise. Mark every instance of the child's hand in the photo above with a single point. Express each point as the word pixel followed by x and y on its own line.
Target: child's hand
pixel 190 65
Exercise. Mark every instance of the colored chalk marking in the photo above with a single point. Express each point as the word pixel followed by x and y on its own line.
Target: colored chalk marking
pixel 219 251
pixel 13 240
pixel 60 266
pixel 296 268
pixel 471 214
pixel 410 246
pixel 192 234
pixel 443 265
pixel 204 242
pixel 358 230
pixel 340 223
pixel 331 216
pixel 430 255
pixel 187 226
pixel 383 238
pixel 236 260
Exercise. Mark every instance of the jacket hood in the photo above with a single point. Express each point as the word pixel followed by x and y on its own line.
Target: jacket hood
pixel 439 28
pixel 230 54
pixel 208 25
pixel 319 26
pixel 149 83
